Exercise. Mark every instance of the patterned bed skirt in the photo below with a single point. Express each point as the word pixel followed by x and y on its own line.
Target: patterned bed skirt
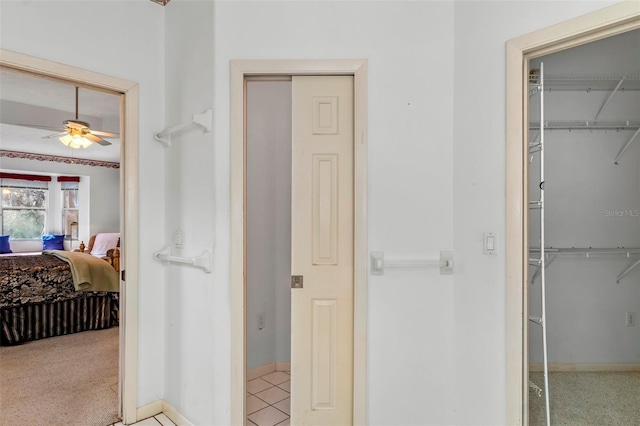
pixel 21 324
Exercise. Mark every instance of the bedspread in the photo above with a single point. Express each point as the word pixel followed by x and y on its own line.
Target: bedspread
pixel 36 279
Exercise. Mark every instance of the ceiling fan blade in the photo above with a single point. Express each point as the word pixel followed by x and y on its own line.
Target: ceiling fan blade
pixel 96 139
pixel 36 126
pixel 105 134
pixel 55 135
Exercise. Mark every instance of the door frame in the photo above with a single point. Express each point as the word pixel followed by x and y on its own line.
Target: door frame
pixel 239 69
pixel 128 363
pixel 613 20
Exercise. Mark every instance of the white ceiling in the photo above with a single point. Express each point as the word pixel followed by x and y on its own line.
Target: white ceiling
pixel 26 99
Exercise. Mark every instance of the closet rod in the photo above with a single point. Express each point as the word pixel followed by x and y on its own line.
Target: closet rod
pixel 586 125
pixel 627 252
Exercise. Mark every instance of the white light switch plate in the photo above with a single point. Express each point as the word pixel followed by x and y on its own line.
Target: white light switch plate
pixel 489 243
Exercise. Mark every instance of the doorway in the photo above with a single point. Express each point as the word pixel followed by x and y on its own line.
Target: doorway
pixel 240 321
pixel 608 22
pixel 127 387
pixel 578 295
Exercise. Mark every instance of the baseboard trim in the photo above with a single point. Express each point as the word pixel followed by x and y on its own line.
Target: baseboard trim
pixel 161 406
pixel 149 410
pixel 174 415
pixel 268 368
pixel 261 371
pixel 283 366
pixel 557 367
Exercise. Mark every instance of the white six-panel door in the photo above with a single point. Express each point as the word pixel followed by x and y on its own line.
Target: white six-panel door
pixel 322 251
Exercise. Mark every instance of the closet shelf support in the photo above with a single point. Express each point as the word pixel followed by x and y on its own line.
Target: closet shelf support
pixel 204 120
pixel 627 271
pixel 609 99
pixel 624 148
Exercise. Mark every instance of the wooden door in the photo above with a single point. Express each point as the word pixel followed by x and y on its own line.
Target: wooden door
pixel 322 250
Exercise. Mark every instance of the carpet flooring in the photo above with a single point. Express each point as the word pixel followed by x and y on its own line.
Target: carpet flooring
pixel 65 380
pixel 587 399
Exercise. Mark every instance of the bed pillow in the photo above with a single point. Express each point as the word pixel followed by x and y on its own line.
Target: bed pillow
pixel 53 242
pixel 5 247
pixel 105 242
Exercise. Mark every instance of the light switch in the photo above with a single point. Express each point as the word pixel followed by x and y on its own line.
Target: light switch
pixel 490 240
pixel 490 243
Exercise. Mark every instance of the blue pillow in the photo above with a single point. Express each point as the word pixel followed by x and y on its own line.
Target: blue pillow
pixel 53 242
pixel 5 247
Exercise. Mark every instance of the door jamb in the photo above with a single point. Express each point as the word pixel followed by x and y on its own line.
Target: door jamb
pixel 128 363
pixel 239 69
pixel 613 20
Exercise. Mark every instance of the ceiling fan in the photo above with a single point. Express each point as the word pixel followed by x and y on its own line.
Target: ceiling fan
pixel 78 134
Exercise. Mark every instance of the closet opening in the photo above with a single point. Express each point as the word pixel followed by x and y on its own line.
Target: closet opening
pixel 268 249
pixel 584 234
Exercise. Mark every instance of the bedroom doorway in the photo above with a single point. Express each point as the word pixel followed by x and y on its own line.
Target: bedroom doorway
pixel 319 182
pixel 614 20
pixel 127 213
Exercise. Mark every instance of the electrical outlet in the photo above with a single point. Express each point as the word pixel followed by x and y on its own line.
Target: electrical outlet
pixel 631 319
pixel 260 320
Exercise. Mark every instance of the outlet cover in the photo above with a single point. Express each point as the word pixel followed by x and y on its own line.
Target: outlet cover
pixel 260 320
pixel 631 319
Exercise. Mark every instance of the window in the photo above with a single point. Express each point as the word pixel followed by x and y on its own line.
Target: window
pixel 70 209
pixel 24 207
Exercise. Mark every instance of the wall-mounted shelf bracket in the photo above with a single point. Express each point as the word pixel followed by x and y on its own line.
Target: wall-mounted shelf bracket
pixel 624 148
pixel 604 105
pixel 626 271
pixel 204 120
pixel 203 261
pixel 377 263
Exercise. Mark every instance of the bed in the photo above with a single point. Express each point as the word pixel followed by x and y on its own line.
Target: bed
pixel 39 299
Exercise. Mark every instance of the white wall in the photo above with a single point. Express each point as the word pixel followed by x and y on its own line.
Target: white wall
pixel 123 39
pixel 268 222
pixel 99 205
pixel 197 304
pixel 481 30
pixel 585 307
pixel 410 198
pixel 409 47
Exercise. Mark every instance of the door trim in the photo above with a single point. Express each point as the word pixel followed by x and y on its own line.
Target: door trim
pixel 128 367
pixel 616 19
pixel 239 69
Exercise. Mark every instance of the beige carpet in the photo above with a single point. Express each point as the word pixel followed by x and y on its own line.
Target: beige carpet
pixel 588 399
pixel 65 380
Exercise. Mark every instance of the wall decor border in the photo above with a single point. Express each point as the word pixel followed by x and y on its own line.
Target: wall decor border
pixel 57 159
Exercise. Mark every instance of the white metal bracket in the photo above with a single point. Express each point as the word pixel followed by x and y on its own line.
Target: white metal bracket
pixel 204 120
pixel 203 261
pixel 377 263
pixel 624 148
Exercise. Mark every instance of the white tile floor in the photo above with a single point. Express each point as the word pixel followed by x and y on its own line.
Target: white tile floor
pixel 157 420
pixel 267 403
pixel 268 400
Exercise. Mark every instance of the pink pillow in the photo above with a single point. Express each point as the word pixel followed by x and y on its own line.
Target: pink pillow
pixel 104 243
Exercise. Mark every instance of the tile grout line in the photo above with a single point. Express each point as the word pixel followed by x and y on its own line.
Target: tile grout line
pixel 273 385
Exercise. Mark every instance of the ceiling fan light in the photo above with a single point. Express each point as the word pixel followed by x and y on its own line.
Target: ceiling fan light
pixel 75 141
pixel 66 139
